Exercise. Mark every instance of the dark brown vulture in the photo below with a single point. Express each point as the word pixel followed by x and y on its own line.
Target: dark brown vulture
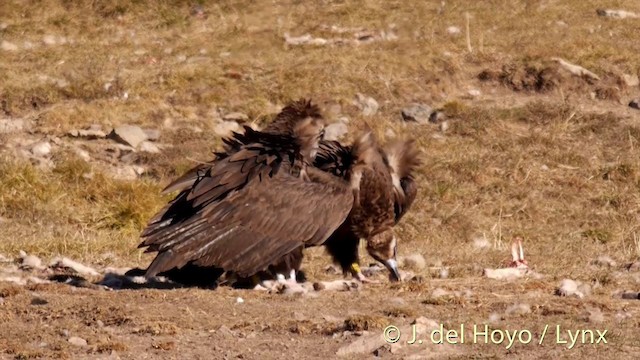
pixel 386 191
pixel 256 206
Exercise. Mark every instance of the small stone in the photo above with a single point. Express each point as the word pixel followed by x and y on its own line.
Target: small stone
pixel 437 117
pixel 415 262
pixel 11 125
pixel 494 318
pixel 604 261
pixel 444 126
pixel 41 149
pixel 239 300
pixel 335 131
pixel 453 30
pixel 635 104
pixel 49 40
pixel 225 331
pixel 518 309
pixel 128 135
pixel 77 341
pixel 82 154
pixel 617 14
pixel 31 262
pixel 152 134
pixel 481 242
pixel 89 134
pixel 38 301
pixel 236 116
pixel 225 128
pixel 368 105
pixel 7 46
pixel 474 93
pixel 439 292
pixel 570 287
pixel 149 147
pixel 444 273
pixel 595 316
pixel 634 266
pixel 630 295
pixel 630 80
pixel 419 113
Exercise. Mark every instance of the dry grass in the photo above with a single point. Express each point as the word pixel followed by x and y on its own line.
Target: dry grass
pixel 559 169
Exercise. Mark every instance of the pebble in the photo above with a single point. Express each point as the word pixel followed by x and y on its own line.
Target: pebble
pixel 368 105
pixel 415 262
pixel 7 46
pixel 453 30
pixel 419 113
pixel 149 147
pixel 41 149
pixel 635 104
pixel 236 116
pixel 77 341
pixel 128 135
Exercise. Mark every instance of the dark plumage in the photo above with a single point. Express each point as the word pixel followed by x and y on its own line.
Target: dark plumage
pixel 254 205
pixel 386 191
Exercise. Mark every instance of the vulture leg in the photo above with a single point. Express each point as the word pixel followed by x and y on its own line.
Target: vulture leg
pixel 343 248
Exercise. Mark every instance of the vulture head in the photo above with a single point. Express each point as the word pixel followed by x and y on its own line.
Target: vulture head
pixel 383 248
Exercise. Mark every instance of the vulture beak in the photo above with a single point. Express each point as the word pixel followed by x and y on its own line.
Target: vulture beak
pixel 392 266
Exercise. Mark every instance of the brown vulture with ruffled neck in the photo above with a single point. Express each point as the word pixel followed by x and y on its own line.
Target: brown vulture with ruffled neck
pixel 386 191
pixel 253 205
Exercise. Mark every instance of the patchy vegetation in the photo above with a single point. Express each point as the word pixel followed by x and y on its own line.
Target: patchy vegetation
pixel 518 145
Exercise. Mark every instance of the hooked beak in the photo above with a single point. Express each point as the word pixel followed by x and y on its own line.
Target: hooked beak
pixel 392 266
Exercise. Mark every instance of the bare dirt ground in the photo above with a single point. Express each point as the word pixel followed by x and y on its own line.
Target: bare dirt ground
pixel 521 145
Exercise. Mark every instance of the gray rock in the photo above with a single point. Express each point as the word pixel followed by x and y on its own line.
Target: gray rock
pixel 90 134
pixel 128 135
pixel 236 116
pixel 39 301
pixel 419 113
pixel 149 147
pixel 335 131
pixel 152 134
pixel 630 295
pixel 11 125
pixel 77 341
pixel 41 149
pixel 368 105
pixel 635 104
pixel 437 117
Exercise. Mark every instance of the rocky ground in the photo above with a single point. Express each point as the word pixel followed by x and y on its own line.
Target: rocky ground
pixel 527 116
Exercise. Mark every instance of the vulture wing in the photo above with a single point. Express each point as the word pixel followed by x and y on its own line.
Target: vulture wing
pixel 245 213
